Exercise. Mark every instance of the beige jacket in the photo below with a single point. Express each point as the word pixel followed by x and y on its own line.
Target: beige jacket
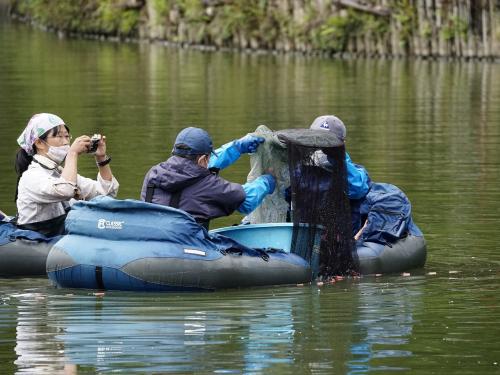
pixel 43 194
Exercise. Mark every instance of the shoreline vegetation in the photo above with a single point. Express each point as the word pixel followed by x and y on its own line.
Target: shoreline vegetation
pixel 463 29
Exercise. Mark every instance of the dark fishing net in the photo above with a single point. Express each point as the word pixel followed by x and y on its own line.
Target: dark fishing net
pixel 320 210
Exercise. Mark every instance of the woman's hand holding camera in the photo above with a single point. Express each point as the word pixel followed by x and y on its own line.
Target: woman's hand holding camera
pixel 84 144
pixel 101 149
pixel 80 145
pixel 102 160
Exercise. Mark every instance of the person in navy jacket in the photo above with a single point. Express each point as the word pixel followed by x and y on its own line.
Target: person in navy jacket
pixel 188 180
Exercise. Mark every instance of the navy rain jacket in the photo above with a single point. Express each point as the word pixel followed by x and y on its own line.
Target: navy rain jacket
pixel 388 211
pixel 204 195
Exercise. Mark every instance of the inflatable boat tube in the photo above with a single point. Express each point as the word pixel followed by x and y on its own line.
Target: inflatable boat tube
pixel 133 245
pixel 23 253
pixel 23 258
pixel 403 255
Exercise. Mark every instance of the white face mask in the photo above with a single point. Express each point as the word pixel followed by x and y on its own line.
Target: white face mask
pixel 58 154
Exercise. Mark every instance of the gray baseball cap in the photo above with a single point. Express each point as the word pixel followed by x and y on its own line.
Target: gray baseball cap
pixel 332 123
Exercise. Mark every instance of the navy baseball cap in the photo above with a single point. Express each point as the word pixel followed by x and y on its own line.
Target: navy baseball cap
pixel 332 123
pixel 193 141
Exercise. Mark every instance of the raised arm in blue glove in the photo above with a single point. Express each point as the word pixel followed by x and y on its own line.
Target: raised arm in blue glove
pixel 248 144
pixel 256 191
pixel 230 152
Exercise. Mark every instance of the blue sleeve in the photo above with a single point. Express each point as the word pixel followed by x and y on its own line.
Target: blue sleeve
pixel 358 180
pixel 255 192
pixel 224 156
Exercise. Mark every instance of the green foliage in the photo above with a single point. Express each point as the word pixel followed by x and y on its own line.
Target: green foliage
pixel 20 7
pixel 455 26
pixel 426 30
pixel 405 14
pixel 62 15
pixel 162 7
pixel 129 22
pixel 84 16
pixel 448 32
pixel 248 18
pixel 273 26
pixel 112 21
pixel 193 10
pixel 337 30
pixel 375 25
pixel 108 20
pixel 225 22
pixel 230 21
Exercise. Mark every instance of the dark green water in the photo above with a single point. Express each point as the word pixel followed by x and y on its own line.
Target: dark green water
pixel 432 128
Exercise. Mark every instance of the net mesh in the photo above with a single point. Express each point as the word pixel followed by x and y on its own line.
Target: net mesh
pixel 271 156
pixel 312 164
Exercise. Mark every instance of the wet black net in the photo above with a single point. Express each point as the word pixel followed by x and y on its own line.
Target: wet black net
pixel 320 210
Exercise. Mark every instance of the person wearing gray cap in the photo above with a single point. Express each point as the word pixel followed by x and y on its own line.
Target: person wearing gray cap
pixel 380 212
pixel 358 180
pixel 187 180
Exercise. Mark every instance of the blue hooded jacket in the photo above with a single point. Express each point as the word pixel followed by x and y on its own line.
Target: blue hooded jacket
pixel 388 213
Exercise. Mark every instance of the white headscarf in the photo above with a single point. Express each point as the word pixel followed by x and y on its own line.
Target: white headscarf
pixel 37 126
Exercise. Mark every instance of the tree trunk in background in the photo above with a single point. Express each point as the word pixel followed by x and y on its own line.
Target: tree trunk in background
pixel 370 28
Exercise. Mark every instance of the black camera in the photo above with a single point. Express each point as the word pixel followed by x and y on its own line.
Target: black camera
pixel 94 143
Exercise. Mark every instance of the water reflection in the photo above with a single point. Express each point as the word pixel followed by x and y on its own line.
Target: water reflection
pixel 385 325
pixel 35 347
pixel 341 329
pixel 388 324
pixel 174 334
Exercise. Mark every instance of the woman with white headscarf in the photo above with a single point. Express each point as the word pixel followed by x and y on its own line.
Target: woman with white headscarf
pixel 46 187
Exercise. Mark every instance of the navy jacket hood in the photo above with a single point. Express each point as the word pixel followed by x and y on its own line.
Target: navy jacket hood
pixel 176 173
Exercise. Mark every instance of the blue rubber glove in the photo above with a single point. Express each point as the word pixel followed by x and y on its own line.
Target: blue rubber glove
pixel 271 182
pixel 224 156
pixel 248 144
pixel 256 191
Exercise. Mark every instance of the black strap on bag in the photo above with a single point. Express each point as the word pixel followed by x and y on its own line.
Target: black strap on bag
pixel 174 202
pixel 204 223
pixel 150 190
pixel 175 199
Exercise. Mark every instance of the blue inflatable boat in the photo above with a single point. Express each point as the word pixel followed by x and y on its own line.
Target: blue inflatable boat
pixel 133 245
pixel 405 254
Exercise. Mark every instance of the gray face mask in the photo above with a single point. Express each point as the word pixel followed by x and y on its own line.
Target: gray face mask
pixel 58 154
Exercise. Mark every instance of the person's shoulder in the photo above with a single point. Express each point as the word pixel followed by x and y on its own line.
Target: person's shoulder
pixel 155 168
pixel 34 169
pixel 32 178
